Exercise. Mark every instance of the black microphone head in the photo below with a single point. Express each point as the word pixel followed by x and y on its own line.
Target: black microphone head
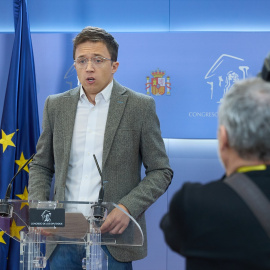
pixel 6 209
pixel 98 211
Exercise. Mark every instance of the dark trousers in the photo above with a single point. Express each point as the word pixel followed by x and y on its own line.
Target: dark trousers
pixel 69 257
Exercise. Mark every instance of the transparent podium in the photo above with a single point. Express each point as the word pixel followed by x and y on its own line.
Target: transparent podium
pixel 66 223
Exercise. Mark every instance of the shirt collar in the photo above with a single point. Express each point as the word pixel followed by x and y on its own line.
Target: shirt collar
pixel 105 93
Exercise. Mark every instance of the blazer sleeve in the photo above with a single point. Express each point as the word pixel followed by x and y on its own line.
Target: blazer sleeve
pixel 158 174
pixel 42 167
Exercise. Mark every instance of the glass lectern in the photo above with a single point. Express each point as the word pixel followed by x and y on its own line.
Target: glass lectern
pixel 66 223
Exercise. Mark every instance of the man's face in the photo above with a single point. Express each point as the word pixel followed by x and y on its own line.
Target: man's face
pixel 94 78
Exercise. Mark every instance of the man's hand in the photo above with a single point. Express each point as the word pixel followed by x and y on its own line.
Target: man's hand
pixel 116 222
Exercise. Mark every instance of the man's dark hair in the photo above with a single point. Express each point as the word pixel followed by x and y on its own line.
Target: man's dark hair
pixel 95 34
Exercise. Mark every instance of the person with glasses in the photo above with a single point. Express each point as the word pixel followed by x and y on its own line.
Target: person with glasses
pixel 117 125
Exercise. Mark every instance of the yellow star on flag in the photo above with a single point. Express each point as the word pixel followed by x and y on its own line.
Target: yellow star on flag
pixel 15 230
pixel 6 140
pixel 21 162
pixel 23 197
pixel 1 238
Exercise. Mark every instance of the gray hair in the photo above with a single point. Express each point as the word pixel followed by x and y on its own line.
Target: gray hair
pixel 95 34
pixel 245 113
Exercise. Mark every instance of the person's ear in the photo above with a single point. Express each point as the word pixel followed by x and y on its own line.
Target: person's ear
pixel 223 138
pixel 115 66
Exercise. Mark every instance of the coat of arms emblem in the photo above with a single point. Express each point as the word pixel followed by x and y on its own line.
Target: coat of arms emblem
pixel 158 85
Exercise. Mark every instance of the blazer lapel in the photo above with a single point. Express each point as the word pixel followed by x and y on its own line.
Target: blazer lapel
pixel 70 103
pixel 117 105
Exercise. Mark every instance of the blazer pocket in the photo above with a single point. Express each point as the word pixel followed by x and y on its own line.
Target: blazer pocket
pixel 127 139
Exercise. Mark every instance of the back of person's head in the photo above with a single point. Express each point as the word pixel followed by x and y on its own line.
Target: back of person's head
pixel 95 34
pixel 245 113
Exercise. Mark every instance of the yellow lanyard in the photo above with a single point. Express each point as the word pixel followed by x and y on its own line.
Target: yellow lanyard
pixel 244 169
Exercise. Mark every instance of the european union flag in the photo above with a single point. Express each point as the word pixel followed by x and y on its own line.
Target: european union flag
pixel 19 128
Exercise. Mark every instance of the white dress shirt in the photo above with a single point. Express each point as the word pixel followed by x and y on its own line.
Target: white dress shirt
pixel 83 180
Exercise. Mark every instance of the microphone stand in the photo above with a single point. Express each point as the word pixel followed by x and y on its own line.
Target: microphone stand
pixel 6 209
pixel 98 209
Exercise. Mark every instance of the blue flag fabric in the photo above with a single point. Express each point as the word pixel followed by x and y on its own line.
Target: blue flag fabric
pixel 20 129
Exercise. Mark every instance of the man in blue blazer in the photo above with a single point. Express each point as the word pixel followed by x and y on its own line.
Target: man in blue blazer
pixel 116 124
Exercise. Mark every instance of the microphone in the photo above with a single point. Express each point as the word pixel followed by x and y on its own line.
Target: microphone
pixel 98 209
pixel 6 208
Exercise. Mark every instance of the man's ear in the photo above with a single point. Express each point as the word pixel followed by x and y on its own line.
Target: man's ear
pixel 223 138
pixel 115 66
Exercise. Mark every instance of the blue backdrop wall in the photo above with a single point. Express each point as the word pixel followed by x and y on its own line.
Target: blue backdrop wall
pixel 187 73
pixel 184 53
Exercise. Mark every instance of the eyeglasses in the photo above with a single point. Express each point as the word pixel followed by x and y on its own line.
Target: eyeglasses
pixel 97 61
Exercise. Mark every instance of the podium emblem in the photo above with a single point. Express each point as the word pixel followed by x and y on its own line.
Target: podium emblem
pixel 47 217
